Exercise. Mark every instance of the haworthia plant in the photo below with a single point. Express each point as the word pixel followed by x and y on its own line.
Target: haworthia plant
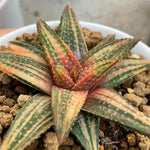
pixel 33 119
pixel 71 79
pixel 86 127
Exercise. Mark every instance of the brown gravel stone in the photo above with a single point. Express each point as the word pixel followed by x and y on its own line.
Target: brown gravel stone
pixel 33 145
pixel 69 141
pixel 5 109
pixel 5 79
pixel 6 119
pixel 9 93
pixel 76 147
pixel 9 102
pixel 143 77
pixel 21 90
pixel 108 147
pixel 15 109
pixel 1 129
pixel 133 148
pixel 50 141
pixel 22 99
pixel 131 138
pixel 0 140
pixel 63 148
pixel 2 98
pixel 101 147
pixel 146 110
pixel 27 37
pixel 128 83
pixel 134 99
pixel 123 145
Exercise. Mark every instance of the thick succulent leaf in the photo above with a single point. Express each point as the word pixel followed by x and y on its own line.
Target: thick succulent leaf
pixel 62 78
pixel 26 70
pixel 74 73
pixel 57 52
pixel 124 69
pixel 91 75
pixel 66 106
pixel 108 39
pixel 70 31
pixel 113 50
pixel 86 130
pixel 33 119
pixel 110 105
pixel 28 49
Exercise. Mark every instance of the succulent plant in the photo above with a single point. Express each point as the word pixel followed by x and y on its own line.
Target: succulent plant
pixel 76 85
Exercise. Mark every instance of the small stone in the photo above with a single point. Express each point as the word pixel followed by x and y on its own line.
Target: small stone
pixel 130 90
pixel 5 79
pixel 143 77
pixel 1 129
pixel 9 93
pixel 134 99
pixel 33 145
pixel 69 141
pixel 5 109
pixel 63 148
pixel 76 147
pixel 50 141
pixel 124 145
pixel 101 147
pixel 6 119
pixel 9 102
pixel 22 99
pixel 15 109
pixel 2 98
pixel 131 138
pixel 108 147
pixel 96 35
pixel 0 140
pixel 21 90
pixel 27 37
pixel 128 83
pixel 101 133
pixel 143 142
pixel 133 148
pixel 146 110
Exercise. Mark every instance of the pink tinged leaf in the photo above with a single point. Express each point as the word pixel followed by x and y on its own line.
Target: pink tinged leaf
pixel 71 32
pixel 125 69
pixel 110 105
pixel 93 74
pixel 74 73
pixel 113 50
pixel 27 70
pixel 61 77
pixel 25 48
pixel 57 52
pixel 66 105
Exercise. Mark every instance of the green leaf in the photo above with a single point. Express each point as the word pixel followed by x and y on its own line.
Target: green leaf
pixel 62 77
pixel 124 69
pixel 26 70
pixel 91 75
pixel 110 105
pixel 25 48
pixel 113 50
pixel 57 52
pixel 86 130
pixel 34 118
pixel 66 106
pixel 70 31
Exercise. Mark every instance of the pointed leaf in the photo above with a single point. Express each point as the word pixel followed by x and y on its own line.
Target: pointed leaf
pixel 74 73
pixel 86 130
pixel 108 39
pixel 26 70
pixel 62 77
pixel 124 69
pixel 33 119
pixel 70 31
pixel 66 105
pixel 93 74
pixel 113 50
pixel 110 105
pixel 57 52
pixel 25 48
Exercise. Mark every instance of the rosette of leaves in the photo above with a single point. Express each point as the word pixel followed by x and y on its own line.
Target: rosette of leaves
pixel 76 85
